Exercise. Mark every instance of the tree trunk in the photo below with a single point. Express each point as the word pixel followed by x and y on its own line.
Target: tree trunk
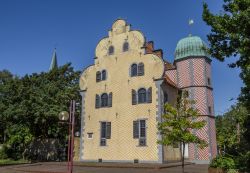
pixel 24 152
pixel 183 153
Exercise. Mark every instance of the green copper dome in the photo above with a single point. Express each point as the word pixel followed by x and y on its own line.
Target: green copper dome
pixel 190 46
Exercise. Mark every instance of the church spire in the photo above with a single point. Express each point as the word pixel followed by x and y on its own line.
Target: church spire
pixel 53 63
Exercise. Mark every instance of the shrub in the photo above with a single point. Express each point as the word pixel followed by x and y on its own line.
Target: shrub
pixel 223 162
pixel 243 161
pixel 3 154
pixel 232 171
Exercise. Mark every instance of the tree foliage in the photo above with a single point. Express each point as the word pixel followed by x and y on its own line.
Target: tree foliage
pixel 232 142
pixel 230 36
pixel 230 128
pixel 178 122
pixel 30 105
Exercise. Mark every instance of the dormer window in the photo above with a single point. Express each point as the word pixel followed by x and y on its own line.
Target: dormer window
pixel 125 47
pixel 111 50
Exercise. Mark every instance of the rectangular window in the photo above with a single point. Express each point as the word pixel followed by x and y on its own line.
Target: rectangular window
pixel 98 76
pixel 142 128
pixel 149 95
pixel 208 81
pixel 105 132
pixel 90 135
pixel 209 110
pixel 139 131
pixel 97 101
pixel 134 99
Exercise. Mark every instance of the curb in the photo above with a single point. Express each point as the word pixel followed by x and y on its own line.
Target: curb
pixel 101 165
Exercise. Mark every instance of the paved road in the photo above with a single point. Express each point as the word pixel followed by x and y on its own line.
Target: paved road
pixel 48 168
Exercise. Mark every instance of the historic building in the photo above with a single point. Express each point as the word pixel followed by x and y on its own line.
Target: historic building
pixel 124 91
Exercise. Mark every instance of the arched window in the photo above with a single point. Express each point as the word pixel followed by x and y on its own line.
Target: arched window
pixel 142 98
pixel 140 69
pixel 125 47
pixel 134 70
pixel 98 76
pixel 104 75
pixel 111 50
pixel 104 100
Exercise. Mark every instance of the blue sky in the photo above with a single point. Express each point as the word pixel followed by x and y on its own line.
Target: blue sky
pixel 31 29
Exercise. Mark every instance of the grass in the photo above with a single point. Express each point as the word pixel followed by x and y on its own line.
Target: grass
pixel 4 162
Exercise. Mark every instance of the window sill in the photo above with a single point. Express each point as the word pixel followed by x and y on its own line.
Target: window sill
pixel 141 145
pixel 143 103
pixel 137 76
pixel 101 81
pixel 104 107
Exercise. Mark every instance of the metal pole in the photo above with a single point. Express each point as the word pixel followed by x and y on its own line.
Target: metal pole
pixel 72 136
pixel 69 135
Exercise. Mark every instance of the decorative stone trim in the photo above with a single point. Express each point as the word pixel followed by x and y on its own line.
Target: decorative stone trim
pixel 159 112
pixel 83 94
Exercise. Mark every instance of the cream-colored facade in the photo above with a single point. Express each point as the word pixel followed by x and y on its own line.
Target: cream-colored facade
pixel 122 146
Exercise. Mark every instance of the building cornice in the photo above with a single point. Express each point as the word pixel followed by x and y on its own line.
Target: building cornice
pixel 189 57
pixel 191 86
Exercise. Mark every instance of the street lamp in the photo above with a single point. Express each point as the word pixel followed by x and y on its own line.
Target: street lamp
pixel 63 116
pixel 69 118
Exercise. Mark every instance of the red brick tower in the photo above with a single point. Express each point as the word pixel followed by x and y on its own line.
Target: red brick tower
pixel 193 71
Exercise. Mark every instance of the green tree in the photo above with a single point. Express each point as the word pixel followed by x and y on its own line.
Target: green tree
pixel 230 36
pixel 31 105
pixel 178 122
pixel 230 128
pixel 5 75
pixel 19 137
pixel 5 78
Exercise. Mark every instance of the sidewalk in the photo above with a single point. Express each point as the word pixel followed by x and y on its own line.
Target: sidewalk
pixel 81 167
pixel 123 165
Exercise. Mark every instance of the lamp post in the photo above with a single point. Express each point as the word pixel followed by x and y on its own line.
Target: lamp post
pixel 69 118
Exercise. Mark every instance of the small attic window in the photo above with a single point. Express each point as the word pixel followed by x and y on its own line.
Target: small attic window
pixel 111 50
pixel 125 47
